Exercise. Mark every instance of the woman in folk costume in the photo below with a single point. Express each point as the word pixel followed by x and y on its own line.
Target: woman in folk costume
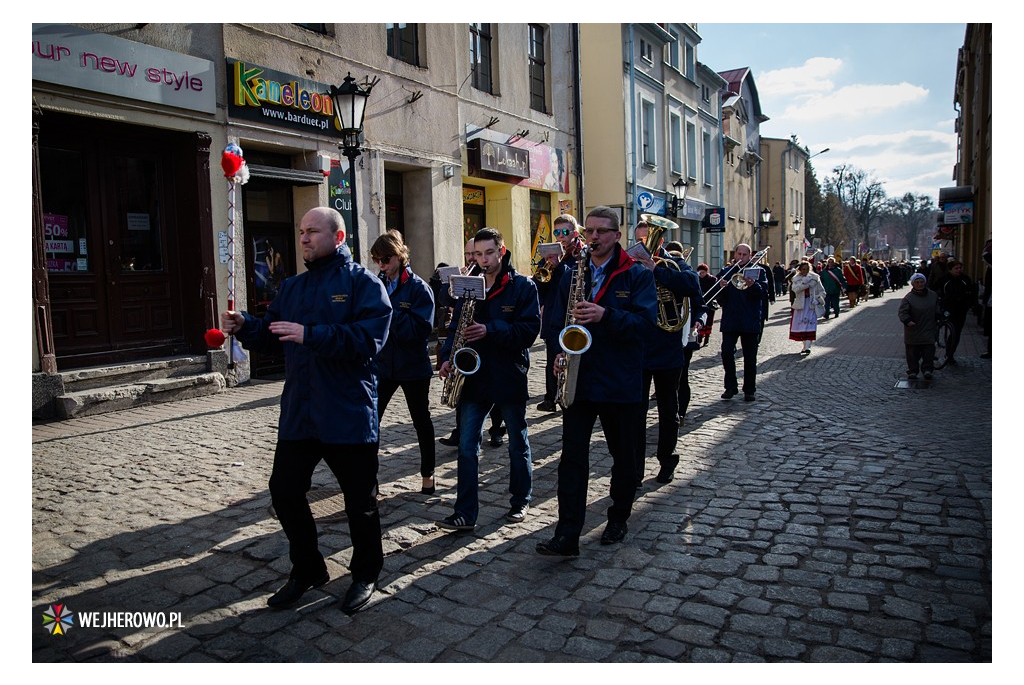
pixel 809 298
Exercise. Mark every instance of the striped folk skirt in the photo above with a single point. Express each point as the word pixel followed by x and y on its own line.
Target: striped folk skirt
pixel 804 323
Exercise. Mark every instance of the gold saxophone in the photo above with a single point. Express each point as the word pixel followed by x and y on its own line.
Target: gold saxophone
pixel 574 339
pixel 465 360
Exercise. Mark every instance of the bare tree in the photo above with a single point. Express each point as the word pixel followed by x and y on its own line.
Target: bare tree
pixel 910 215
pixel 861 197
pixel 832 222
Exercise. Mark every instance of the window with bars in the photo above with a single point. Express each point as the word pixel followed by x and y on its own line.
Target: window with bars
pixel 538 66
pixel 480 56
pixel 403 42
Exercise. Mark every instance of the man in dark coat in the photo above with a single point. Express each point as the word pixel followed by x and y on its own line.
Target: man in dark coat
pixel 742 320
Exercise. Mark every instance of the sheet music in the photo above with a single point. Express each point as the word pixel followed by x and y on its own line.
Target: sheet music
pixel 468 286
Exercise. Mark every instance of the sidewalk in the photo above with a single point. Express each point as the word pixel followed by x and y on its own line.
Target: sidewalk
pixel 836 518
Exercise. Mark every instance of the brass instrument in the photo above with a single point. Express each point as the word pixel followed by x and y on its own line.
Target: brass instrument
pixel 672 314
pixel 465 360
pixel 543 272
pixel 736 279
pixel 574 339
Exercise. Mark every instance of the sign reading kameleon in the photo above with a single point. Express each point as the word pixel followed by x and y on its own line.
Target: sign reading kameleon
pixel 71 56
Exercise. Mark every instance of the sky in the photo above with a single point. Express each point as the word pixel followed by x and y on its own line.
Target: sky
pixel 879 96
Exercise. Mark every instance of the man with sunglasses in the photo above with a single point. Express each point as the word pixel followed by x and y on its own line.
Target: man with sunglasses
pixel 504 325
pixel 566 232
pixel 620 309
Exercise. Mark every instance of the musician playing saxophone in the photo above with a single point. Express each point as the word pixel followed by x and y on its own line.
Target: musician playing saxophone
pixel 666 357
pixel 504 326
pixel 620 309
pixel 566 232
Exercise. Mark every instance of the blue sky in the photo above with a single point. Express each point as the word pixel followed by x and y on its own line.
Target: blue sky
pixel 880 96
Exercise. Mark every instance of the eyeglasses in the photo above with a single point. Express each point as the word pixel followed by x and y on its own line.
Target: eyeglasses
pixel 383 260
pixel 563 231
pixel 599 231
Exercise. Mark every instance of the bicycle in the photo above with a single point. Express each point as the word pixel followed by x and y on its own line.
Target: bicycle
pixel 944 339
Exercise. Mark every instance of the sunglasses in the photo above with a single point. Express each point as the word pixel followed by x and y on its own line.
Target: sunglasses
pixel 563 231
pixel 383 260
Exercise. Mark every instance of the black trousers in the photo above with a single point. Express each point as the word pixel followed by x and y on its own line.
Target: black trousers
pixel 684 384
pixel 749 343
pixel 620 423
pixel 958 317
pixel 417 399
pixel 666 388
pixel 550 379
pixel 355 467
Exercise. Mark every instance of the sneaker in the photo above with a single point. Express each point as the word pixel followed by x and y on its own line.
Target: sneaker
pixel 516 514
pixel 927 375
pixel 912 376
pixel 456 522
pixel 547 405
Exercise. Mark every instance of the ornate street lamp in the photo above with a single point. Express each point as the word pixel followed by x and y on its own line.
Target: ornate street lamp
pixel 679 198
pixel 350 106
pixel 796 225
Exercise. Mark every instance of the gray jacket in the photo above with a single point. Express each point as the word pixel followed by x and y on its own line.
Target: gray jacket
pixel 922 308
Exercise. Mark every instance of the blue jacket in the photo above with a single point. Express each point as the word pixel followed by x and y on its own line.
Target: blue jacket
pixel 512 315
pixel 664 349
pixel 612 369
pixel 330 387
pixel 553 319
pixel 743 310
pixel 405 356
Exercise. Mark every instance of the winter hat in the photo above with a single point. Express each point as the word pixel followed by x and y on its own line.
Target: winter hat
pixel 917 277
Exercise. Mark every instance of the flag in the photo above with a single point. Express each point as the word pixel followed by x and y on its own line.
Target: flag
pixel 807 243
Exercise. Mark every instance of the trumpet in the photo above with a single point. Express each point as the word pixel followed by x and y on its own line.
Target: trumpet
pixel 735 279
pixel 672 314
pixel 543 272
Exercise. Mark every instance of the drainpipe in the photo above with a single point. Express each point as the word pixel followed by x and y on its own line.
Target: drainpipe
pixel 632 128
pixel 721 163
pixel 578 122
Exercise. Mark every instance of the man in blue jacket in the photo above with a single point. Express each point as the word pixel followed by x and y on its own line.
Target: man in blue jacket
pixel 566 231
pixel 331 323
pixel 742 319
pixel 619 311
pixel 504 326
pixel 405 360
pixel 666 360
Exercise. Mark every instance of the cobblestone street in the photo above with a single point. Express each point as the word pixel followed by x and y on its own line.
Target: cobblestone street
pixel 835 519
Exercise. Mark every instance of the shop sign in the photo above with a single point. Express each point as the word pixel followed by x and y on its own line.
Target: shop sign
pixel 501 159
pixel 339 190
pixel 958 213
pixel 271 97
pixel 472 196
pixel 714 220
pixel 692 211
pixel 77 58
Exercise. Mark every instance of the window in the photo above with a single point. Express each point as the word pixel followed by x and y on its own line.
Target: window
pixel 705 93
pixel 675 134
pixel 538 79
pixel 673 50
pixel 645 51
pixel 691 151
pixel 315 28
pixel 403 42
pixel 691 58
pixel 480 56
pixel 706 145
pixel 648 139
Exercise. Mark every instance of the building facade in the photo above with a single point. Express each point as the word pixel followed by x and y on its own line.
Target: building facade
pixel 782 192
pixel 466 125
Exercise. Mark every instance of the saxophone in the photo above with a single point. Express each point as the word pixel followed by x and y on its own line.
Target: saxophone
pixel 574 339
pixel 465 360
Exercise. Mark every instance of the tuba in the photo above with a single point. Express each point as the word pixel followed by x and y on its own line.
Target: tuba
pixel 672 314
pixel 465 360
pixel 574 339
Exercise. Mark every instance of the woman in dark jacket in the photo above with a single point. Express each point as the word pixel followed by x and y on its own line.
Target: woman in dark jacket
pixel 405 360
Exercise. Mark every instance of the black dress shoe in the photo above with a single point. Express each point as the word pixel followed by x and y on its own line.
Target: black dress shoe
pixel 559 546
pixel 293 590
pixel 665 475
pixel 614 532
pixel 451 441
pixel 357 596
pixel 729 394
pixel 496 441
pixel 748 397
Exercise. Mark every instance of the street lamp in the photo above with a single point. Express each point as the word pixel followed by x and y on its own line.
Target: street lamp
pixel 679 189
pixel 766 221
pixel 350 107
pixel 796 225
pixel 821 152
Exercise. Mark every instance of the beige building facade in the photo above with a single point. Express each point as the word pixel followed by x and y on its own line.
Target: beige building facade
pixel 782 192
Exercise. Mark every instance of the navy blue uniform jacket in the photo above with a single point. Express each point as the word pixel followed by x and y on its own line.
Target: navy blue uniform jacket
pixel 511 313
pixel 330 387
pixel 664 349
pixel 742 310
pixel 405 356
pixel 553 319
pixel 612 369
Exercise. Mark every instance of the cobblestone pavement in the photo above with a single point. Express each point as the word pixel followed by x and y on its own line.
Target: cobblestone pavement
pixel 836 519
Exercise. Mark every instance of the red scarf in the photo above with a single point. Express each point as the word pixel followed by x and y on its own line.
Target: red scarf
pixel 625 261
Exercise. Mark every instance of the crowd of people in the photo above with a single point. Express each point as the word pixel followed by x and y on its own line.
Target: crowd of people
pixel 614 323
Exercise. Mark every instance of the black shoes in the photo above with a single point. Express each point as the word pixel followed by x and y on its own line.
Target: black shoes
pixel 293 590
pixel 429 490
pixel 665 475
pixel 456 522
pixel 357 596
pixel 450 441
pixel 729 394
pixel 547 405
pixel 748 397
pixel 559 546
pixel 496 440
pixel 614 532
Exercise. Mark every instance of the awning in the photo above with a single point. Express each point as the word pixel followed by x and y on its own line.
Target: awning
pixel 956 194
pixel 295 176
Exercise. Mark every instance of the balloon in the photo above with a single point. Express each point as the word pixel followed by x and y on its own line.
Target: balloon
pixel 231 163
pixel 214 338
